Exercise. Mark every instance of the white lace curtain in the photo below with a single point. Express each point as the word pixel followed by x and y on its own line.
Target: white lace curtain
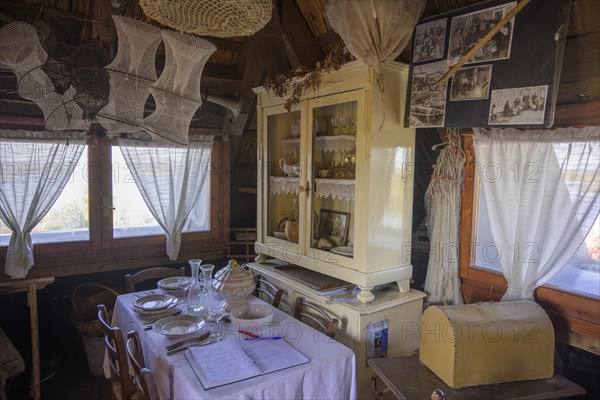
pixel 542 194
pixel 170 179
pixel 34 169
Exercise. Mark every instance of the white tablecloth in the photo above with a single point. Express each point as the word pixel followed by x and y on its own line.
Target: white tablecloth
pixel 331 373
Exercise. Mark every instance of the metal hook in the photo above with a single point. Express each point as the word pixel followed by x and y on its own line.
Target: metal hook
pixel 559 32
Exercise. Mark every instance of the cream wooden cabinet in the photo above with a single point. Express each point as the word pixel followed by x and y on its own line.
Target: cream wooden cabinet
pixel 402 311
pixel 335 179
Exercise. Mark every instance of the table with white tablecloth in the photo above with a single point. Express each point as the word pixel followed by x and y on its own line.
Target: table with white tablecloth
pixel 330 374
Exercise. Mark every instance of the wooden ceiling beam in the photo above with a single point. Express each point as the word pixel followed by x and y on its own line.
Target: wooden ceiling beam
pixel 273 47
pixel 300 40
pixel 328 38
pixel 224 44
pixel 20 9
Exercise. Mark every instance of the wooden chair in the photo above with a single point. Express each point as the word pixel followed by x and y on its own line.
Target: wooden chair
pixel 328 324
pixel 269 290
pixel 144 384
pixel 122 387
pixel 151 273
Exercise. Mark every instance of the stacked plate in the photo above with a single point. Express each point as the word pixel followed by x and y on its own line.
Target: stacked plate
pixel 154 303
pixel 175 283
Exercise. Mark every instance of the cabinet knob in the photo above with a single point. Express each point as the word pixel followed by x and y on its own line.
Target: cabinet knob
pixel 304 189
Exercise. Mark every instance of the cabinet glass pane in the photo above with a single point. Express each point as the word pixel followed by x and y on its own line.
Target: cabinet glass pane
pixel 283 170
pixel 333 175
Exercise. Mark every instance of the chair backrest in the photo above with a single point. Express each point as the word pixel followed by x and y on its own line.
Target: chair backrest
pixel 268 289
pixel 322 320
pixel 117 357
pixel 151 273
pixel 143 377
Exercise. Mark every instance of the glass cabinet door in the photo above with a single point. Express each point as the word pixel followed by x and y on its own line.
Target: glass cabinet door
pixel 333 172
pixel 283 174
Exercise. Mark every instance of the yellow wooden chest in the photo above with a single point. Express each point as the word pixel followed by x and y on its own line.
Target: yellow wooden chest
pixel 484 343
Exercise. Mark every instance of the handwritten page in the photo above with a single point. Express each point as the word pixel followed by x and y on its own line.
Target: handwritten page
pixel 221 363
pixel 230 361
pixel 273 355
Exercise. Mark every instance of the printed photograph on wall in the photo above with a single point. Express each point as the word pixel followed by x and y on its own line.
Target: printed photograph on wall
pixel 466 30
pixel 430 38
pixel 518 106
pixel 428 100
pixel 471 83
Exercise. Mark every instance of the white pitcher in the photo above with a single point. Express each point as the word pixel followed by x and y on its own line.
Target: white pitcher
pixel 292 170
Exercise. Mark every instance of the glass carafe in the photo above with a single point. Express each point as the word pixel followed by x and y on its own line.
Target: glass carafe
pixel 194 299
pixel 211 303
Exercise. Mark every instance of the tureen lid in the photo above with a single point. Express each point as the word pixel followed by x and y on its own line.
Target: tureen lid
pixel 233 272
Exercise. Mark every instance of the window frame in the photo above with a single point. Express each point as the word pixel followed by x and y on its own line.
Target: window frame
pixel 103 253
pixel 576 318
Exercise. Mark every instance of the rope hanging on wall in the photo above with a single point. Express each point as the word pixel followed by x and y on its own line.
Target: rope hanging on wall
pixel 221 18
pixel 442 203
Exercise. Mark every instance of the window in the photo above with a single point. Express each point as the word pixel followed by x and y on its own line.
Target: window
pixel 132 217
pixel 68 219
pixel 581 274
pixel 81 231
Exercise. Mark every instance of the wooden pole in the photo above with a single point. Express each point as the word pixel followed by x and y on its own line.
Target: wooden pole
pixel 483 41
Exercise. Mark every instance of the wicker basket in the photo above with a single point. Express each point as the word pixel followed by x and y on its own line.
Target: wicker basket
pixel 85 314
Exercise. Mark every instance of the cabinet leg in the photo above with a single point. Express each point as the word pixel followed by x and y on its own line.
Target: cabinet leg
pixel 261 258
pixel 403 285
pixel 365 295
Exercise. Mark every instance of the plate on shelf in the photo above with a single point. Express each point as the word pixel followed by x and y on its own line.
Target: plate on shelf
pixel 154 302
pixel 178 325
pixel 347 251
pixel 175 283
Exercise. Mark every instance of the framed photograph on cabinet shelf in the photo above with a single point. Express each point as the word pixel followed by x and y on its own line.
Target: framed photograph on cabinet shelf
pixel 333 226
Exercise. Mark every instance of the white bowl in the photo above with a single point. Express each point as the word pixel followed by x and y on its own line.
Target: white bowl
pixel 256 314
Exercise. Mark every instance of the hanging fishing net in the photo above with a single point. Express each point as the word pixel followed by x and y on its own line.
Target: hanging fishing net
pixel 131 73
pixel 221 18
pixel 177 92
pixel 21 51
pixel 442 204
pixel 59 73
pixel 89 78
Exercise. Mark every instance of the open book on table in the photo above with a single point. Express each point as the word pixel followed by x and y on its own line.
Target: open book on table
pixel 230 361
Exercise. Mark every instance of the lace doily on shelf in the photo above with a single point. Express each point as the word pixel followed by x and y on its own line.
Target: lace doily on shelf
pixel 290 146
pixel 284 185
pixel 337 189
pixel 341 143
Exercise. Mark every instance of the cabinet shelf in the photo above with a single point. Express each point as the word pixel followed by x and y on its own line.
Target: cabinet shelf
pixel 290 146
pixel 284 185
pixel 335 144
pixel 337 189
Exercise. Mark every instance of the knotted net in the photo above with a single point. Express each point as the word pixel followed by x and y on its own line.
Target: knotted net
pixel 221 18
pixel 22 52
pixel 177 92
pixel 131 73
